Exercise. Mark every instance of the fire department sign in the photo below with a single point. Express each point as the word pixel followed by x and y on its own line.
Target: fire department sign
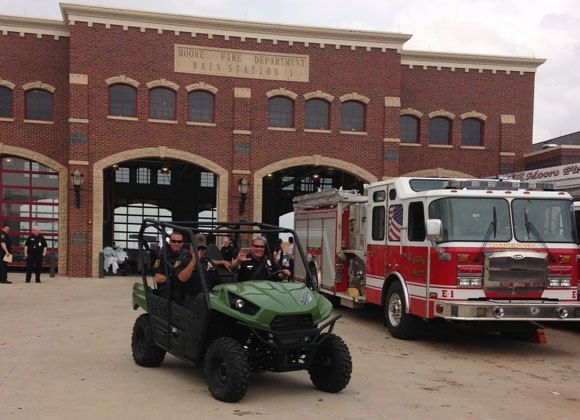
pixel 241 63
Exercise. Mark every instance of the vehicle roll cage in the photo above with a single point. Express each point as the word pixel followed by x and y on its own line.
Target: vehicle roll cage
pixel 212 230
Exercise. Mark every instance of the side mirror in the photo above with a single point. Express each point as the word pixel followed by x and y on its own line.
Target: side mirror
pixel 434 230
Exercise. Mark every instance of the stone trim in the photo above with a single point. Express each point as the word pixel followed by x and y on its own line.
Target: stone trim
pixel 318 94
pixel 282 129
pixel 78 120
pixel 201 86
pixel 441 113
pixel 78 162
pixel 354 133
pixel 242 93
pixel 78 79
pixel 200 124
pixel 506 154
pixel 391 140
pixel 474 114
pixel 282 92
pixel 121 118
pixel 7 84
pixel 392 101
pixel 243 132
pixel 38 27
pixel 38 122
pixel 39 85
pixel 163 83
pixel 158 121
pixel 229 28
pixel 411 111
pixel 425 59
pixel 354 97
pixel 442 146
pixel 508 119
pixel 125 80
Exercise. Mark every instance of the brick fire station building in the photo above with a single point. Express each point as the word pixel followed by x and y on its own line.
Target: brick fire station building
pixel 173 116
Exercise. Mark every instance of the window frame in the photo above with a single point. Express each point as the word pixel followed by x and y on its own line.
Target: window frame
pixel 125 102
pixel 358 126
pixel 433 130
pixel 480 132
pixel 307 114
pixel 204 111
pixel 28 105
pixel 417 121
pixel 9 106
pixel 165 111
pixel 283 113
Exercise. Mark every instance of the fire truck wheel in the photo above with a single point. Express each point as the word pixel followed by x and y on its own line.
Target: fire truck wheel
pixel 145 351
pixel 399 323
pixel 227 369
pixel 332 366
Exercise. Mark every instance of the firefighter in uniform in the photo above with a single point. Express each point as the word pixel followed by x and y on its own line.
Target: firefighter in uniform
pixel 256 265
pixel 34 252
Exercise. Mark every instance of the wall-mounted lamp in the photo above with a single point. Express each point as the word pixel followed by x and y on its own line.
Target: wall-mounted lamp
pixel 77 179
pixel 243 188
pixel 164 169
pixel 115 166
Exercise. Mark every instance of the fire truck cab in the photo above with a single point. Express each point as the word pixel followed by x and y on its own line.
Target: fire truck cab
pixel 481 251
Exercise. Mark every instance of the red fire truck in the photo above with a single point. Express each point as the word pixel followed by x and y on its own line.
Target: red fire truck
pixel 498 254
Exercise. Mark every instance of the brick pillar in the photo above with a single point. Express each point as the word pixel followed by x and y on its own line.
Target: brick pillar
pixel 242 144
pixel 391 143
pixel 79 228
pixel 507 157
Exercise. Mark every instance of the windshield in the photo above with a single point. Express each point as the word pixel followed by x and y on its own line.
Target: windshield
pixel 469 219
pixel 552 220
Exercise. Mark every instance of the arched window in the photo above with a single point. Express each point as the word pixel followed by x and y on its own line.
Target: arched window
pixel 280 112
pixel 471 132
pixel 162 104
pixel 352 116
pixel 317 114
pixel 201 106
pixel 439 131
pixel 409 129
pixel 5 102
pixel 38 105
pixel 122 100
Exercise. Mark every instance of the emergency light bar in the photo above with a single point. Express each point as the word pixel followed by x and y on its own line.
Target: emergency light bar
pixel 480 184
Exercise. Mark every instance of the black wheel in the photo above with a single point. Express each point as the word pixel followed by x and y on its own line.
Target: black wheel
pixel 399 323
pixel 226 370
pixel 145 351
pixel 332 366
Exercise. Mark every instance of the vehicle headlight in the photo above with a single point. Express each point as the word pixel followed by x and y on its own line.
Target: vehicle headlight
pixel 241 305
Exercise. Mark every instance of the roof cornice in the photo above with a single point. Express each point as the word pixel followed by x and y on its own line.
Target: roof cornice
pixel 470 61
pixel 39 27
pixel 228 27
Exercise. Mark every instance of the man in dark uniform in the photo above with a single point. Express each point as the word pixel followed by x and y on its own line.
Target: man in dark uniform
pixel 228 250
pixel 5 246
pixel 34 252
pixel 255 265
pixel 180 263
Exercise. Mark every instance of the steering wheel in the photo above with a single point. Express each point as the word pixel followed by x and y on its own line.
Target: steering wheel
pixel 274 274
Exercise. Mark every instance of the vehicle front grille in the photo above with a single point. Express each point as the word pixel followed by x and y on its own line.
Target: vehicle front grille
pixel 283 323
pixel 515 272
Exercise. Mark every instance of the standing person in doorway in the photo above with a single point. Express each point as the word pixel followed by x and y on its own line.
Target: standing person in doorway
pixel 35 249
pixel 5 246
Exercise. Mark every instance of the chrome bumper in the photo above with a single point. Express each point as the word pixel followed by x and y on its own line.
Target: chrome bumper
pixel 507 311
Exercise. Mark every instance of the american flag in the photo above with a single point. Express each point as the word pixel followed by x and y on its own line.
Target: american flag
pixel 395 222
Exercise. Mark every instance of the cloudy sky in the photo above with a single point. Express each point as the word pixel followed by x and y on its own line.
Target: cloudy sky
pixel 547 29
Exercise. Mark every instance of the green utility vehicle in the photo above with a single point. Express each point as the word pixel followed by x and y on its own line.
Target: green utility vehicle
pixel 237 329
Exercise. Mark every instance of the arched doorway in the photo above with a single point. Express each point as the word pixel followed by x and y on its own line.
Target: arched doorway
pixel 33 191
pixel 168 193
pixel 280 187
